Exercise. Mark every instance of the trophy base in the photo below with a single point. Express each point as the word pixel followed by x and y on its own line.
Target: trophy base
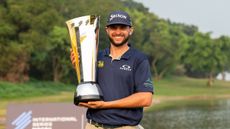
pixel 87 92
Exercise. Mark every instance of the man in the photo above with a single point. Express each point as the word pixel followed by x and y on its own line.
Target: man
pixel 124 78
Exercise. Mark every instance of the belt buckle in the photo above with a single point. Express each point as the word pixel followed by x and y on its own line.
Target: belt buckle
pixel 96 124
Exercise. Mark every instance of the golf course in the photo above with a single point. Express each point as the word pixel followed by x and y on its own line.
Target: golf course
pixel 170 92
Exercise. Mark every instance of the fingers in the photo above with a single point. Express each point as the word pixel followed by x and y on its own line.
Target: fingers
pixel 83 104
pixel 88 105
pixel 92 104
pixel 72 57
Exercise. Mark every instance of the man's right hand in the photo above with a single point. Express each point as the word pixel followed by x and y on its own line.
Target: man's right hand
pixel 72 57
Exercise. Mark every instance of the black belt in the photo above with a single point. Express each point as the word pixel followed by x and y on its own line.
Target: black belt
pixel 102 125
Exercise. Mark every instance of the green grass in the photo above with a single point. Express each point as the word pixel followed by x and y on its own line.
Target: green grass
pixel 184 86
pixel 31 89
pixel 35 91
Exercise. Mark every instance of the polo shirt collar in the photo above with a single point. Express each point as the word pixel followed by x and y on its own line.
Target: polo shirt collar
pixel 126 55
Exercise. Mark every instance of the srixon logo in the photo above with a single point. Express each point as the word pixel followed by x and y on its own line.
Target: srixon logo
pixel 45 116
pixel 117 15
pixel 22 121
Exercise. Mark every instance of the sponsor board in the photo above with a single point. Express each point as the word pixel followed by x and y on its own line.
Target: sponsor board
pixel 45 116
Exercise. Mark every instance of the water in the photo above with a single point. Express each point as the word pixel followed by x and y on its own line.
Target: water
pixel 211 116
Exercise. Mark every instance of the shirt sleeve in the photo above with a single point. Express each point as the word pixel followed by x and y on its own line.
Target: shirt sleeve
pixel 143 78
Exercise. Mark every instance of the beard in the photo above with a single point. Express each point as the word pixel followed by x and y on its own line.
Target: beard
pixel 120 43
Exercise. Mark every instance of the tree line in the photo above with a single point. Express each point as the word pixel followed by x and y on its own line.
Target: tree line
pixel 34 42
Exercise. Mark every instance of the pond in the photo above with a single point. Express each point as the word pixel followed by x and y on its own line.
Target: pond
pixel 211 115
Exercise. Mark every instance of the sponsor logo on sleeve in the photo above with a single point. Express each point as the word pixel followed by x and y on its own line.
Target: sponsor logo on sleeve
pixel 148 83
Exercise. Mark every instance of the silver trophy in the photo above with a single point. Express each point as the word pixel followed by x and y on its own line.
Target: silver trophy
pixel 84 35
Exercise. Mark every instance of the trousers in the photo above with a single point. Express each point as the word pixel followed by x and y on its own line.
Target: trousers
pixel 90 126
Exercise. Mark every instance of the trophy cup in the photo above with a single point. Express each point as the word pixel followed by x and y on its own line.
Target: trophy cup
pixel 84 36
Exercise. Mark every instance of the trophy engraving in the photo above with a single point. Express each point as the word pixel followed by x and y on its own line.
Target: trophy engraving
pixel 84 35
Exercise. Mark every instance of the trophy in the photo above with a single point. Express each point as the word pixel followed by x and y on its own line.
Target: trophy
pixel 84 36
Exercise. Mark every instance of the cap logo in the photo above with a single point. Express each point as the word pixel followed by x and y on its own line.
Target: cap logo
pixel 117 16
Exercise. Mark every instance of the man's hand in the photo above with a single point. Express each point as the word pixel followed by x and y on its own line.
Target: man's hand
pixel 93 104
pixel 72 57
pixel 141 99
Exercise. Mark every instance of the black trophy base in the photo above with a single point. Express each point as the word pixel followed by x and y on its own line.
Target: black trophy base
pixel 86 98
pixel 87 91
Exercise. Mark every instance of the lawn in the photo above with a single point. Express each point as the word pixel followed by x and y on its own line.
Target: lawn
pixel 184 86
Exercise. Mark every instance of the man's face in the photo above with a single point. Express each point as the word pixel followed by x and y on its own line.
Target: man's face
pixel 119 34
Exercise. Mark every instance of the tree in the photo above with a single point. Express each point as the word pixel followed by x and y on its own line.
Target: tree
pixel 224 54
pixel 14 55
pixel 165 46
pixel 57 53
pixel 204 55
pixel 34 42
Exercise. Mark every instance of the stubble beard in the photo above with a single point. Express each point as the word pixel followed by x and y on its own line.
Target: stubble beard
pixel 119 44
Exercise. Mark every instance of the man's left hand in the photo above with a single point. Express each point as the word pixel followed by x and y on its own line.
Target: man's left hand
pixel 93 104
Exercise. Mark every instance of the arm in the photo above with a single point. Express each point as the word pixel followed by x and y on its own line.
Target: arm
pixel 140 99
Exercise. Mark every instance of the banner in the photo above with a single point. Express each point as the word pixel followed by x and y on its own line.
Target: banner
pixel 46 116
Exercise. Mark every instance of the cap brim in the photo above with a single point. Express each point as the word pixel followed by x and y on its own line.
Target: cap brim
pixel 118 23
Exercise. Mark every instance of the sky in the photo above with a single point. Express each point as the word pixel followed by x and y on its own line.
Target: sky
pixel 208 15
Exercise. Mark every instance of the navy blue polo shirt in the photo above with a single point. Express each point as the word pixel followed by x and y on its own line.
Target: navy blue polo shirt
pixel 120 78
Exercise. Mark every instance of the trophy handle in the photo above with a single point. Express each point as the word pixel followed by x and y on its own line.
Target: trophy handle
pixel 74 46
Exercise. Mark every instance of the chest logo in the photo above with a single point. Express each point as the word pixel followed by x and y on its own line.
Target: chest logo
pixel 100 64
pixel 126 68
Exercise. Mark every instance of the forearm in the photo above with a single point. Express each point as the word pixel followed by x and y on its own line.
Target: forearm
pixel 141 99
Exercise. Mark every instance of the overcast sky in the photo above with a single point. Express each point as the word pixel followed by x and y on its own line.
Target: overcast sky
pixel 209 15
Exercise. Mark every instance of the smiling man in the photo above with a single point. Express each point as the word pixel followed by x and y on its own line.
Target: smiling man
pixel 123 74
